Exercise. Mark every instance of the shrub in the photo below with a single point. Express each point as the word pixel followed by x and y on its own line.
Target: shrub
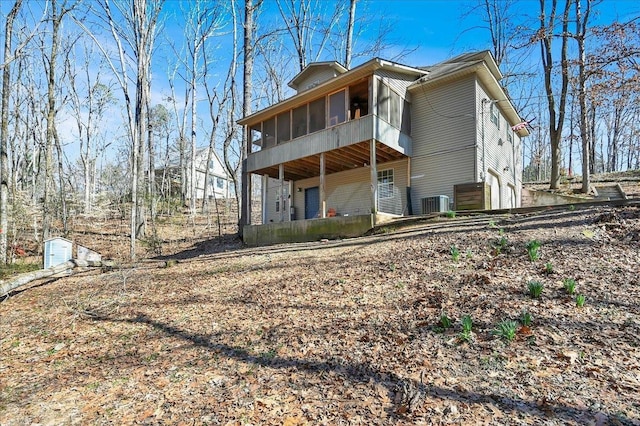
pixel 506 330
pixel 535 288
pixel 455 253
pixel 467 324
pixel 445 321
pixel 569 285
pixel 533 248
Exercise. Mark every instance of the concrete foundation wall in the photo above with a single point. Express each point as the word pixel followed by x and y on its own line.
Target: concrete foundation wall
pixel 307 230
pixel 531 198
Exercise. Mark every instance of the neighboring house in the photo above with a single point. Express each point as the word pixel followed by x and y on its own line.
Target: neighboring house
pixel 220 184
pixel 385 138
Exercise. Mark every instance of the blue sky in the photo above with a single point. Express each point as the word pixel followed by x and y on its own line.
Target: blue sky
pixel 436 29
pixel 439 28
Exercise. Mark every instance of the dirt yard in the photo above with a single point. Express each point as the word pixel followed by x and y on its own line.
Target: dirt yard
pixel 352 332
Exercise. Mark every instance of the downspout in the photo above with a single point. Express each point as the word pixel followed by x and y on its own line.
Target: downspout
pixel 483 175
pixel 516 185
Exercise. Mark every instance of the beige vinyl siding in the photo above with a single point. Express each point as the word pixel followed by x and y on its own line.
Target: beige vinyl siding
pixel 318 76
pixel 503 158
pixel 444 139
pixel 273 188
pixel 349 192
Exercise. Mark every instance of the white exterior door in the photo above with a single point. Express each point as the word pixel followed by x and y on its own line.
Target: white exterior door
pixel 494 182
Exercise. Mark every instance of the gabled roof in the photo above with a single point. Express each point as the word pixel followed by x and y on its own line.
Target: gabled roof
pixel 460 62
pixel 481 63
pixel 201 155
pixel 335 83
pixel 309 69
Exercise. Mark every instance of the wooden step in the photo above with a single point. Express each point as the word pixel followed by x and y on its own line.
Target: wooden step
pixel 610 192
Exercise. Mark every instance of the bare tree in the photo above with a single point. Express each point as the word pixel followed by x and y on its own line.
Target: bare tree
pixel 135 24
pixel 4 120
pixel 220 104
pixel 348 51
pixel 180 116
pixel 309 24
pixel 89 109
pixel 580 35
pixel 56 16
pixel 545 35
pixel 250 10
pixel 615 80
pixel 203 21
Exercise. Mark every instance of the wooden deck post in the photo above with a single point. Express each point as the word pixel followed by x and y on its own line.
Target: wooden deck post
pixel 323 203
pixel 374 177
pixel 265 197
pixel 281 198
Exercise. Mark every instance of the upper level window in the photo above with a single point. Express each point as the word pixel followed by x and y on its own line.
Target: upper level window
pixel 359 100
pixel 395 113
pixel 284 127
pixel 256 135
pixel 317 115
pixel 383 100
pixel 495 115
pixel 337 108
pixel 269 133
pixel 393 108
pixel 349 103
pixel 405 127
pixel 219 182
pixel 300 121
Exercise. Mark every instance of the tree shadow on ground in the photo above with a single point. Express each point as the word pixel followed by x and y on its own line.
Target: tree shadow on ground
pixel 205 247
pixel 365 373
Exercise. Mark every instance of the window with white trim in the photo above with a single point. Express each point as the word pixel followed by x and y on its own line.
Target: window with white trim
pixel 495 115
pixel 385 183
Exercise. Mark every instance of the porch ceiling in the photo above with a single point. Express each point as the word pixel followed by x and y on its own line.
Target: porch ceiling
pixel 337 160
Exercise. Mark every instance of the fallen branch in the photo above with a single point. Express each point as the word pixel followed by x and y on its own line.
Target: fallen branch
pixel 65 268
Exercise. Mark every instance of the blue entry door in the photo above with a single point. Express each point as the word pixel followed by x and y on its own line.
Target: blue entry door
pixel 311 202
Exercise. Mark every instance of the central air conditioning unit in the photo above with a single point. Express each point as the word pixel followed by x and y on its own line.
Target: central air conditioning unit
pixel 437 204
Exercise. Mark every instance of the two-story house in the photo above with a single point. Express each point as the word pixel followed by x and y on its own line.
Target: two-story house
pixel 382 139
pixel 219 183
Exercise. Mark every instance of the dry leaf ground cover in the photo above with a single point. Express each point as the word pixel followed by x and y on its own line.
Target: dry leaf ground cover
pixel 346 332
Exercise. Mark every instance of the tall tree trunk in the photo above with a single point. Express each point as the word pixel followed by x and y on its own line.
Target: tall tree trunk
pixel 248 47
pixel 193 170
pixel 142 82
pixel 151 164
pixel 61 189
pixel 581 32
pixel 349 47
pixel 556 118
pixel 56 18
pixel 592 138
pixel 4 118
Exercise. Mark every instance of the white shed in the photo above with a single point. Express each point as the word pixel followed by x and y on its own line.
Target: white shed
pixel 57 251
